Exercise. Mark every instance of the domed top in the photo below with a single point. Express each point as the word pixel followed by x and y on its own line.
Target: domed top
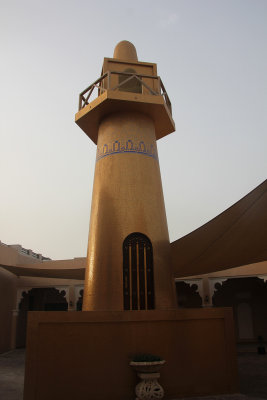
pixel 125 51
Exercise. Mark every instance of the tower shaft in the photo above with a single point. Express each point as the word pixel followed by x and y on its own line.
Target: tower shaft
pixel 128 199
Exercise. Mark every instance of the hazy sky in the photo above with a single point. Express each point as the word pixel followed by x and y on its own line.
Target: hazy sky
pixel 211 56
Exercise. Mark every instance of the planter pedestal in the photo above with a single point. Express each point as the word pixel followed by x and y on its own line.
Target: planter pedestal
pixel 149 388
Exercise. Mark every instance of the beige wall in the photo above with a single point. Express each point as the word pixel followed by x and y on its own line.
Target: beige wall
pixel 86 354
pixel 8 284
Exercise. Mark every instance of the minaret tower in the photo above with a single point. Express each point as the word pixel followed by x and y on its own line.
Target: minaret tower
pixel 128 260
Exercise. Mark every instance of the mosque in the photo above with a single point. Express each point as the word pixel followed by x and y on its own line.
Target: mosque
pixel 131 266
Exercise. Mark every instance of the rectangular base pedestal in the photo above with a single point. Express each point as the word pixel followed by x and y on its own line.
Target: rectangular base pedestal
pixel 72 355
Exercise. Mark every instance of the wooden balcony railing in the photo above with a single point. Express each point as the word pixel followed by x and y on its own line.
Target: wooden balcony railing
pixel 104 83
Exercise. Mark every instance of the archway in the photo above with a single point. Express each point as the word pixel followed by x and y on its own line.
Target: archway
pixel 138 277
pixel 187 295
pixel 248 297
pixel 245 321
pixel 38 299
pixel 79 304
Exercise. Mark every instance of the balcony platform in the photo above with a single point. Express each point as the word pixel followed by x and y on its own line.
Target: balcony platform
pixel 111 101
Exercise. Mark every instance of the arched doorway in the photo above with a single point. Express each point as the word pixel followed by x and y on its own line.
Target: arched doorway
pixel 79 304
pixel 138 277
pixel 248 297
pixel 187 295
pixel 38 299
pixel 245 321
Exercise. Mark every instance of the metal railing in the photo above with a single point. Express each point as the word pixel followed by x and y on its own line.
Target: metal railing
pixel 103 84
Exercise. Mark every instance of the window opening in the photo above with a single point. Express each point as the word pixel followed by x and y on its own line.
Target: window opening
pixel 132 85
pixel 138 279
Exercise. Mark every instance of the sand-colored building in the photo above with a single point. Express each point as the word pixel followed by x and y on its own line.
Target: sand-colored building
pixel 29 281
pixel 226 266
pixel 222 263
pixel 126 284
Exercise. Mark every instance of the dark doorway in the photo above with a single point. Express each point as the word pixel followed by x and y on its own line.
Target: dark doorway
pixel 138 279
pixel 187 295
pixel 38 299
pixel 79 304
pixel 248 297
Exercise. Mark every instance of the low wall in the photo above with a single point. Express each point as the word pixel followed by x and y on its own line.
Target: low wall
pixel 8 285
pixel 87 354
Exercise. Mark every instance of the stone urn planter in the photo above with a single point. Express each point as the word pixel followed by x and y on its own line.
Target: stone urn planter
pixel 148 371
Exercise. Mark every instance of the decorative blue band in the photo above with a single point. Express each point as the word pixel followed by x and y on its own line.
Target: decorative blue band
pixel 128 146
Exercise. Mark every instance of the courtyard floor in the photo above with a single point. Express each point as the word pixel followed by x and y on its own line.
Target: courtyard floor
pixel 252 374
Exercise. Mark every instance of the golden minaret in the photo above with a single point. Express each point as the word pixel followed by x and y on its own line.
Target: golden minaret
pixel 128 260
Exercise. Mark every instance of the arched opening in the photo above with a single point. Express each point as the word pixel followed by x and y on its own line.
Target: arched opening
pixel 187 295
pixel 79 304
pixel 38 299
pixel 248 297
pixel 245 321
pixel 138 279
pixel 132 84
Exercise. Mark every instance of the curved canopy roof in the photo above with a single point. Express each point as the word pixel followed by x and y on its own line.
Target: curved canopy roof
pixel 62 269
pixel 236 237
pixel 71 273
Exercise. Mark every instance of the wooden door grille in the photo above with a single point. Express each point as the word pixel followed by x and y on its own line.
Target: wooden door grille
pixel 138 280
